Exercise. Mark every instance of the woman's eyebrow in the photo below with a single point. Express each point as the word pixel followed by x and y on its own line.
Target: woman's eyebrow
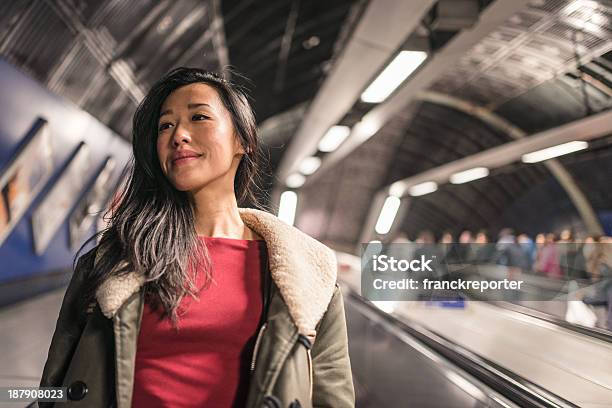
pixel 190 106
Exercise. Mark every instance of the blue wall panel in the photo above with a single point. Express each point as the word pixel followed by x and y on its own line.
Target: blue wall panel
pixel 22 101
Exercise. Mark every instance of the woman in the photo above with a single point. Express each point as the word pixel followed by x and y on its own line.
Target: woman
pixel 188 299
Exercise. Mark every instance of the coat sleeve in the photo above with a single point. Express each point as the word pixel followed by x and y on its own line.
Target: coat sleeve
pixel 68 329
pixel 333 381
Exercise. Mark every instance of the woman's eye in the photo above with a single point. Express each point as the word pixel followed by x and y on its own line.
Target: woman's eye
pixel 199 116
pixel 163 127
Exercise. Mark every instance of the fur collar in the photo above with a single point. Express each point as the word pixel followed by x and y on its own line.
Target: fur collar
pixel 303 269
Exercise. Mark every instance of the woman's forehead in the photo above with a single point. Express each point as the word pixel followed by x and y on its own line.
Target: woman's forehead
pixel 190 94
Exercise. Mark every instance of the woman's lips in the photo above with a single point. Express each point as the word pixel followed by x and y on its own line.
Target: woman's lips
pixel 184 160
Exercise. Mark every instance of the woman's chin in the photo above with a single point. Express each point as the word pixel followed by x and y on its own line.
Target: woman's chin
pixel 188 186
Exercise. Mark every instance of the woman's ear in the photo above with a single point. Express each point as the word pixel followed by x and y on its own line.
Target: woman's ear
pixel 238 146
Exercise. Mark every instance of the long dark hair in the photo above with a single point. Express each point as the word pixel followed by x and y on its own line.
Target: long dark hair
pixel 151 229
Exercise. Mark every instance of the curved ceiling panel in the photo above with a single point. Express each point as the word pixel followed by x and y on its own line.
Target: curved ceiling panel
pixel 535 45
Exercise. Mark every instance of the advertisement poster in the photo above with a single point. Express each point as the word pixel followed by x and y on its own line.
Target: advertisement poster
pixel 92 205
pixel 24 177
pixel 50 214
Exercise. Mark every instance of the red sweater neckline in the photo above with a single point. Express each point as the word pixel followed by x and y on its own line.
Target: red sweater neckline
pixel 228 239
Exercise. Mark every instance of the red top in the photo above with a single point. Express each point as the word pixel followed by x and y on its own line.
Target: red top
pixel 206 363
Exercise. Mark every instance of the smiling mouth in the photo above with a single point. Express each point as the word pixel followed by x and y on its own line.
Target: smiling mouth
pixel 184 160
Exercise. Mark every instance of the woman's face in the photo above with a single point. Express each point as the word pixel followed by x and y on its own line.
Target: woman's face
pixel 194 122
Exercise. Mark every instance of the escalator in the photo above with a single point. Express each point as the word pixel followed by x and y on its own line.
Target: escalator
pixel 396 364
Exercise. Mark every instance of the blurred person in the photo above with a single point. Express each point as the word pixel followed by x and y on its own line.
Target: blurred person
pixel 602 297
pixel 540 241
pixel 427 247
pixel 571 257
pixel 447 238
pixel 482 237
pixel 401 238
pixel 599 259
pixel 511 254
pixel 588 246
pixel 425 237
pixel 464 249
pixel 466 237
pixel 171 307
pixel 566 235
pixel 600 267
pixel 484 251
pixel 445 247
pixel 548 258
pixel 402 247
pixel 529 247
pixel 505 236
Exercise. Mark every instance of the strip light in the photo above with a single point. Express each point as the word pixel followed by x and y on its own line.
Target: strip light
pixel 309 165
pixel 295 180
pixel 333 138
pixel 423 188
pixel 554 151
pixel 404 64
pixel 287 207
pixel 469 175
pixel 387 215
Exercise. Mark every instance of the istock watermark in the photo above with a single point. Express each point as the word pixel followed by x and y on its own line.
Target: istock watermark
pixel 383 263
pixel 508 271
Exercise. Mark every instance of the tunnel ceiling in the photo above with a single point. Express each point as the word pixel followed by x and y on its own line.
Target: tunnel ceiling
pixel 537 44
pixel 527 73
pixel 104 55
pixel 549 64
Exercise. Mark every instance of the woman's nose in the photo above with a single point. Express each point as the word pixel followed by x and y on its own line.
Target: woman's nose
pixel 181 135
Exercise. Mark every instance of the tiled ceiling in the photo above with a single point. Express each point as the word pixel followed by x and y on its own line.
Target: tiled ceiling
pixel 104 55
pixel 535 45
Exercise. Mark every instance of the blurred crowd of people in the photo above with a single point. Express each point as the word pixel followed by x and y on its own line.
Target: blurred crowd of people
pixel 559 256
pixel 562 256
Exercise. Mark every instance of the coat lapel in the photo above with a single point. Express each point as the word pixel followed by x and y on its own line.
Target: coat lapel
pixel 303 269
pixel 126 325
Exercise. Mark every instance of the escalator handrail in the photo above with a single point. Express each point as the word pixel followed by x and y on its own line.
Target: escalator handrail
pixel 595 332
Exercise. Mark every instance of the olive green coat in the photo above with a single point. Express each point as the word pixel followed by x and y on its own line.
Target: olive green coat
pixel 301 353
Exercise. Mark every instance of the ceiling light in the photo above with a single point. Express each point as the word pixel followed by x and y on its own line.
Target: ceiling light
pixel 469 175
pixel 309 165
pixel 387 215
pixel 554 151
pixel 397 189
pixel 366 128
pixel 295 180
pixel 423 188
pixel 333 138
pixel 287 206
pixel 393 75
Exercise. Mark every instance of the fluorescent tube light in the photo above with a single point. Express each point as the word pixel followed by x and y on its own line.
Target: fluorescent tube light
pixel 554 151
pixel 393 75
pixel 295 180
pixel 423 188
pixel 397 189
pixel 333 138
pixel 469 175
pixel 309 165
pixel 387 215
pixel 287 206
